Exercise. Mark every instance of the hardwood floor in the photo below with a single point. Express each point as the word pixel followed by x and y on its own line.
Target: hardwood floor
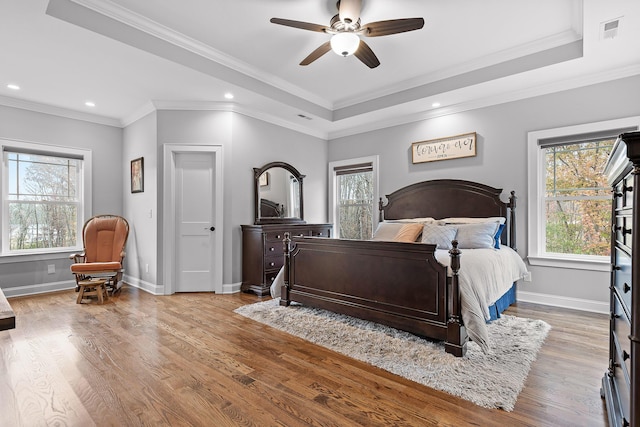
pixel 187 359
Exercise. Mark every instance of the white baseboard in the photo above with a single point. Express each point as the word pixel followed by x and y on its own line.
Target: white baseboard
pixel 142 285
pixel 159 290
pixel 232 288
pixel 565 302
pixel 41 288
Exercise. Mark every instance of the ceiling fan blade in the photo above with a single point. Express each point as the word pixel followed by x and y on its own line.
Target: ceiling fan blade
pixel 366 55
pixel 349 10
pixel 392 26
pixel 299 24
pixel 324 48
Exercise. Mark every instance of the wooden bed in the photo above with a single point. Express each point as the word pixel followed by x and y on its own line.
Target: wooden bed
pixel 397 284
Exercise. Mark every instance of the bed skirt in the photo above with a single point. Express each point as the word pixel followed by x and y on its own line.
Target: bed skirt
pixel 502 303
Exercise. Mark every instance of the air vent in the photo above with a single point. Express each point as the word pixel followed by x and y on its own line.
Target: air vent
pixel 610 29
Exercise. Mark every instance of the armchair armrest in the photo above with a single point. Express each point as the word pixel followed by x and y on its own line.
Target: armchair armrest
pixel 78 257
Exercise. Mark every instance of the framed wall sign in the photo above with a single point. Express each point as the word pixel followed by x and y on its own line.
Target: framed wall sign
pixel 137 175
pixel 451 147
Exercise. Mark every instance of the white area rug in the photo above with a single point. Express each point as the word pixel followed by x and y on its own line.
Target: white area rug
pixel 490 380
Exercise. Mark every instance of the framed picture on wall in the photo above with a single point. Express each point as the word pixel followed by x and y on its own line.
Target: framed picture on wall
pixel 137 175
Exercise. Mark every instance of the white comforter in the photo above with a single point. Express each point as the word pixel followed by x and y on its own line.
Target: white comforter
pixel 485 275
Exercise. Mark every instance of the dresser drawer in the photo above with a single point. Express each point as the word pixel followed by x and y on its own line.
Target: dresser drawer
pixel 320 232
pixel 621 332
pixel 273 249
pixel 270 276
pixel 274 236
pixel 622 227
pixel 622 277
pixel 272 262
pixel 624 193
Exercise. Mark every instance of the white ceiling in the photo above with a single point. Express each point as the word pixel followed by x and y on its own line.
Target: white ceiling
pixel 131 56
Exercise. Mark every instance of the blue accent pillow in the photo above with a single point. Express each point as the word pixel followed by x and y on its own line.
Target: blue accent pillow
pixel 497 236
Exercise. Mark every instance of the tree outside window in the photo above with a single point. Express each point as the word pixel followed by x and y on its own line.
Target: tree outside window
pixel 355 205
pixel 577 198
pixel 43 201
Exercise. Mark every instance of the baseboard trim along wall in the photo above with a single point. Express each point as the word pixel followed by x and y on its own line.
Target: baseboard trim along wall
pixel 41 288
pixel 565 302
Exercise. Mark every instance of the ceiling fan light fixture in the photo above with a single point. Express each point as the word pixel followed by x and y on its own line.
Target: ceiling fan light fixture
pixel 345 43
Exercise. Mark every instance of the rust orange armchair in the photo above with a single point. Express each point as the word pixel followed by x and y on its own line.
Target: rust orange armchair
pixel 104 238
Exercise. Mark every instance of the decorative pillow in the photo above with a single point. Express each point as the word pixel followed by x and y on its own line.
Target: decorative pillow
pixel 440 235
pixel 470 220
pixel 497 236
pixel 387 230
pixel 408 233
pixel 477 236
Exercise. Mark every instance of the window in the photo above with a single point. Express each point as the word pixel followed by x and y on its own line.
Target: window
pixel 43 194
pixel 353 197
pixel 569 196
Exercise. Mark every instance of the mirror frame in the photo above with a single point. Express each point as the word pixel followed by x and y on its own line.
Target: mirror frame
pixel 256 185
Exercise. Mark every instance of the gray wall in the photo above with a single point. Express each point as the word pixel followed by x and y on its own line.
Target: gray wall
pixel 501 160
pixel 18 276
pixel 247 143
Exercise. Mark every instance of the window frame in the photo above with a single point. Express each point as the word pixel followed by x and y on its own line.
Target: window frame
pixel 333 191
pixel 536 230
pixel 84 207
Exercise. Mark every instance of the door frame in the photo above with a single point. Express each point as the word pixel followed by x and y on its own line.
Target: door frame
pixel 169 212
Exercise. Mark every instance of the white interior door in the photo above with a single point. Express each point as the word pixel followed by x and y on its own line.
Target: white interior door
pixel 195 222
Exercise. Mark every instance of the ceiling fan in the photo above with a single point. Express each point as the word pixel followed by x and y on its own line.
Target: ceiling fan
pixel 345 29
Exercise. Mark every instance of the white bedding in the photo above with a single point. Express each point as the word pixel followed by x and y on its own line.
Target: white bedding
pixel 484 276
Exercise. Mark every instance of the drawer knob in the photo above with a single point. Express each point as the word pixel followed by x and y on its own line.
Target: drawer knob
pixel 626 189
pixel 626 230
pixel 625 355
pixel 618 194
pixel 272 249
pixel 301 235
pixel 278 237
pixel 617 267
pixel 626 288
pixel 271 264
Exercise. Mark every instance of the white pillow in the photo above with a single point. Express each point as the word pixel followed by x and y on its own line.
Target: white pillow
pixel 387 230
pixel 440 235
pixel 469 220
pixel 477 236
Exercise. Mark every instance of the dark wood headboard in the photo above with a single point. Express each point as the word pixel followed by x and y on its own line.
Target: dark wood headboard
pixel 443 198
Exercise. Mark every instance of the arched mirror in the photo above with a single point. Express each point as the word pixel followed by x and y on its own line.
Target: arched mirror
pixel 278 190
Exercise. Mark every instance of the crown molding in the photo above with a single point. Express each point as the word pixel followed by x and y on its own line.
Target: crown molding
pixel 58 111
pixel 155 29
pixel 429 113
pixel 239 109
pixel 534 47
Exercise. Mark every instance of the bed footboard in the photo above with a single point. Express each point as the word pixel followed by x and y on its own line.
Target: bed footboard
pixel 396 284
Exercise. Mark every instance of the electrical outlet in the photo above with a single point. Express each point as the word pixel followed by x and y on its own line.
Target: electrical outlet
pixel 527 277
pixel 51 268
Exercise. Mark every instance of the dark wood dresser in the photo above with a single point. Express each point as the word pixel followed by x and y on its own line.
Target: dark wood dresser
pixel 621 383
pixel 263 254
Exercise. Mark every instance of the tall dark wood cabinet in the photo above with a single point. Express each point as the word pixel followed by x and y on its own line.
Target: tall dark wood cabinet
pixel 263 254
pixel 621 382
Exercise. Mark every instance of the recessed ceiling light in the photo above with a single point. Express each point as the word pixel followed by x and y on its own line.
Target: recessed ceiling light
pixel 228 95
pixel 90 104
pixel 435 104
pixel 13 86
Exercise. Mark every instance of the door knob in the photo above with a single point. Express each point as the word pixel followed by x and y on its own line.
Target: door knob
pixel 212 228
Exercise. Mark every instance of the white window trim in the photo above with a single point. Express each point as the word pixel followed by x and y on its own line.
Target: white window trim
pixel 333 182
pixel 84 213
pixel 536 185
